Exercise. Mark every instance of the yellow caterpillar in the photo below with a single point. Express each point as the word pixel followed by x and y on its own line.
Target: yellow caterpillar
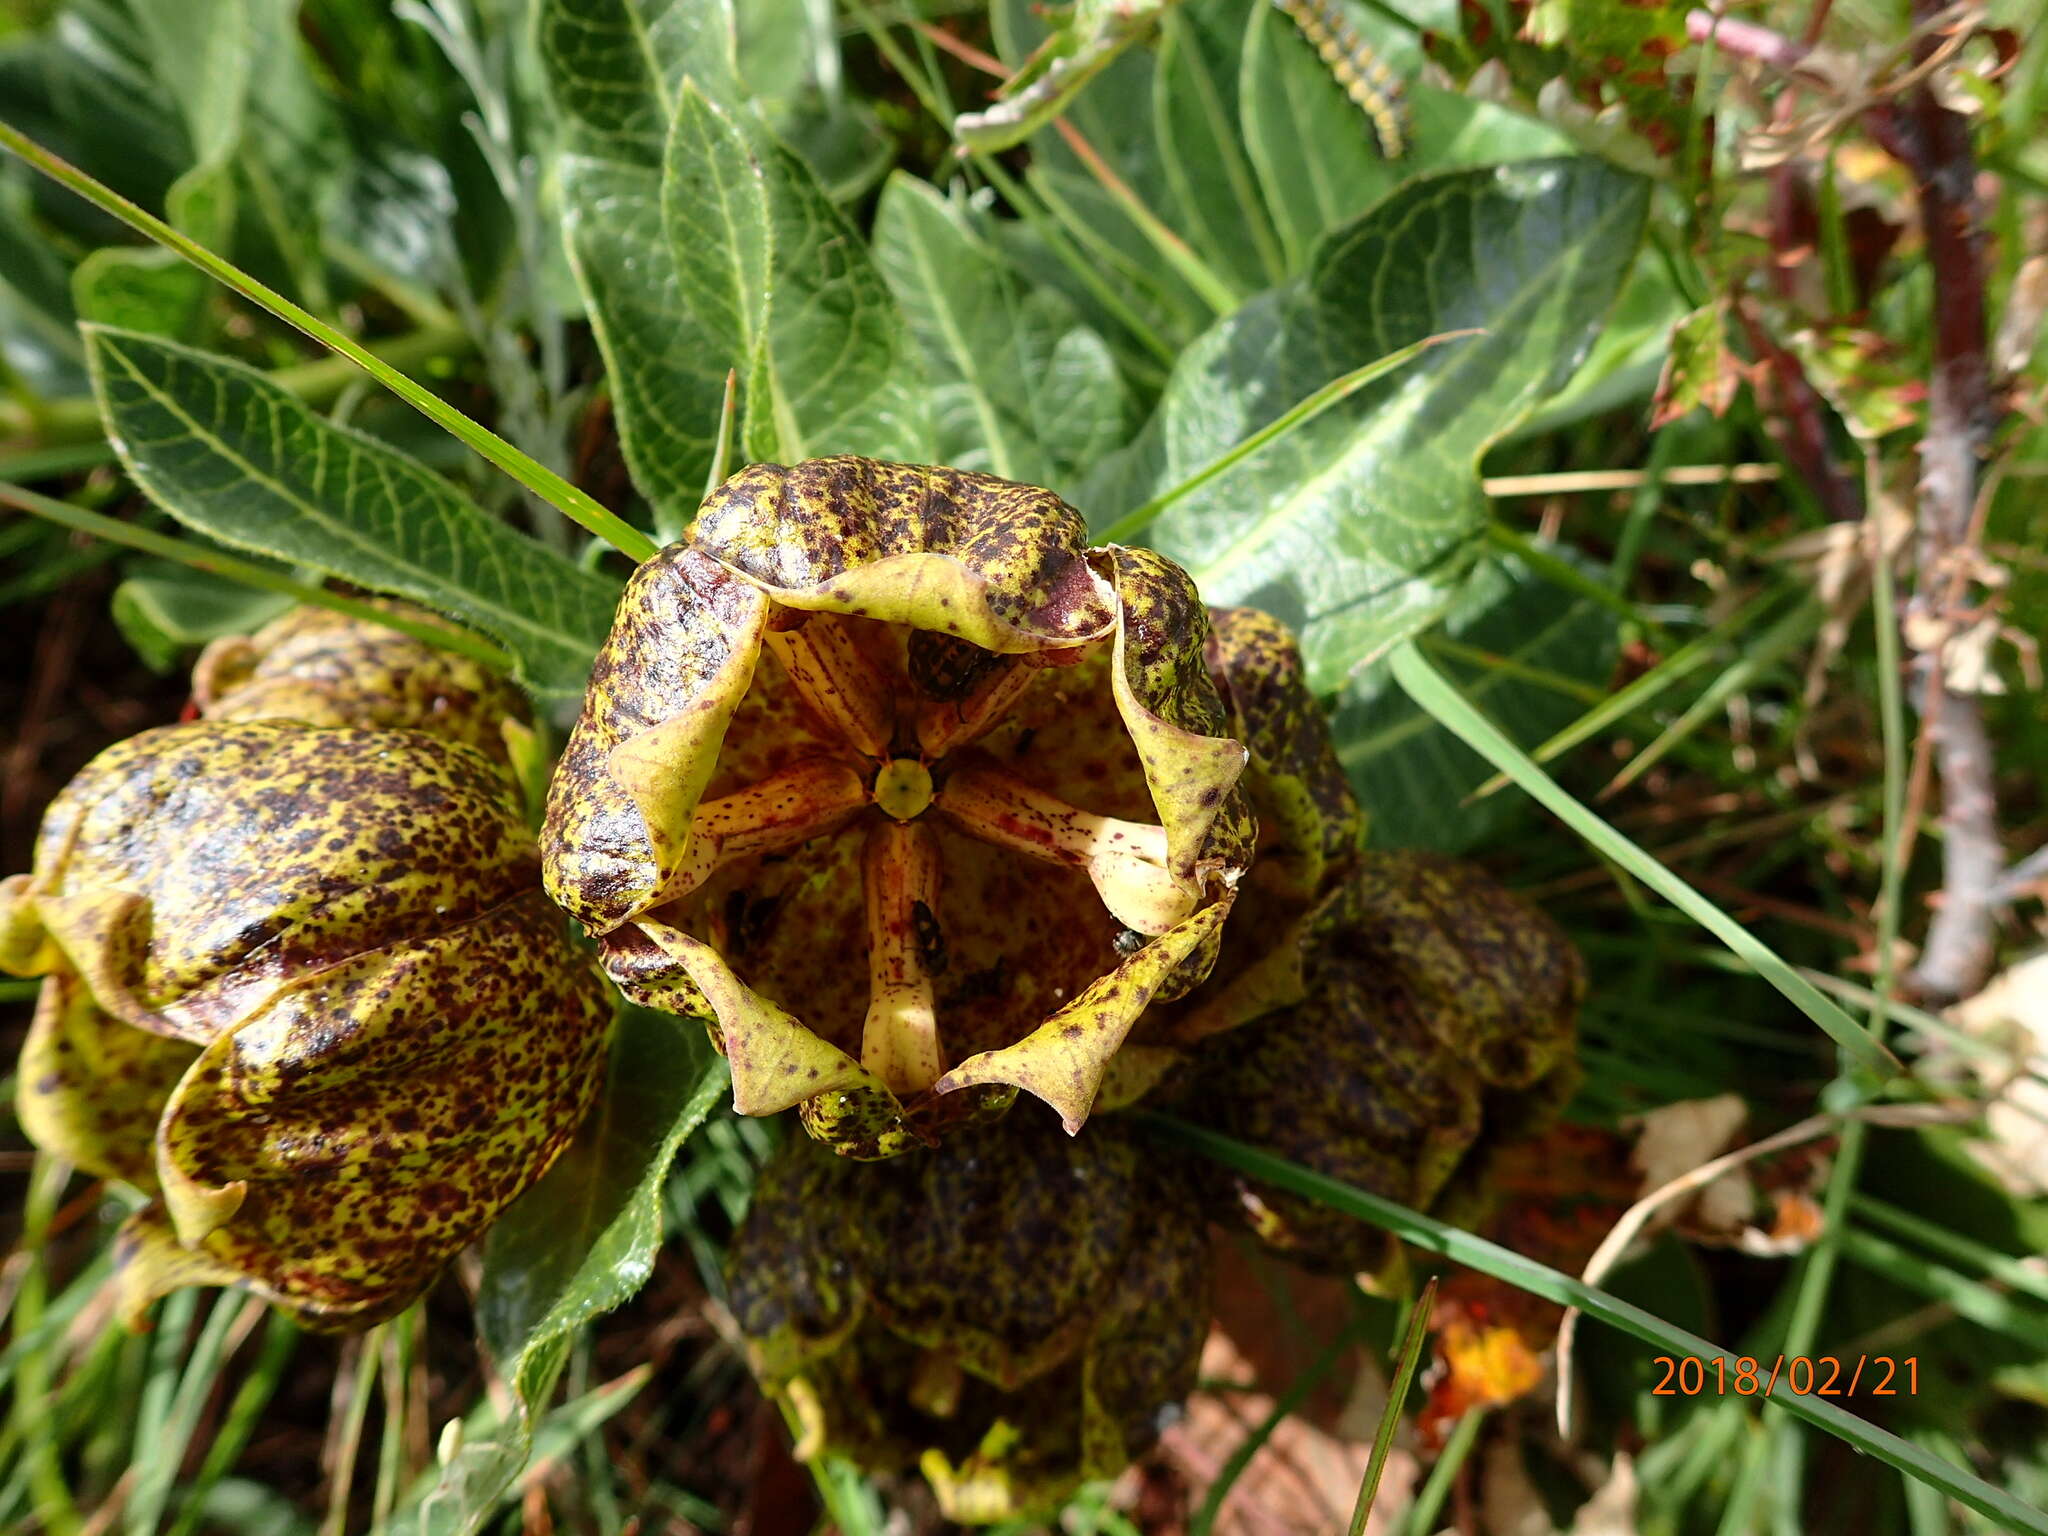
pixel 1374 87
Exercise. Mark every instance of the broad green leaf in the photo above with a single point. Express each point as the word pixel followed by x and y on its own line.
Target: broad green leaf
pixel 232 455
pixel 163 610
pixel 1020 388
pixel 615 69
pixel 1358 527
pixel 1412 774
pixel 199 50
pixel 1195 116
pixel 583 1239
pixel 666 375
pixel 786 291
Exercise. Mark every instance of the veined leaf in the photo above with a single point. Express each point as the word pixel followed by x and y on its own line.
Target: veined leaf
pixel 230 454
pixel 1195 117
pixel 583 1239
pixel 1021 388
pixel 667 377
pixel 1358 527
pixel 1411 772
pixel 616 69
pixel 785 289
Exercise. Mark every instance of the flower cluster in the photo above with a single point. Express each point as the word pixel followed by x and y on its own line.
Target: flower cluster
pixel 959 836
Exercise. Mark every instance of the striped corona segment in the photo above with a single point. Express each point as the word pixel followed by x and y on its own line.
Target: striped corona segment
pixel 1368 82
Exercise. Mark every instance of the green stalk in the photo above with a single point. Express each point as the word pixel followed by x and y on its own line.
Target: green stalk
pixel 1397 1398
pixel 577 505
pixel 250 574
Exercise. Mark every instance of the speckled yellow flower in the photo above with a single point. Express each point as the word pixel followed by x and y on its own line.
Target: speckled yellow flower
pixel 915 796
pixel 1011 1313
pixel 304 990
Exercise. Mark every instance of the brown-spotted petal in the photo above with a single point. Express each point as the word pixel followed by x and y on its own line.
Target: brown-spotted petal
pixel 1169 705
pixel 341 1143
pixel 1000 565
pixel 91 1089
pixel 1064 1059
pixel 1309 819
pixel 662 693
pixel 331 669
pixel 188 871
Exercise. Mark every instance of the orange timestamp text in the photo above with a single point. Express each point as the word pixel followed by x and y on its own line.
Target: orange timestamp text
pixel 1802 1375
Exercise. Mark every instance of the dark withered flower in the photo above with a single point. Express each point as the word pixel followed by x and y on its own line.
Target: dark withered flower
pixel 1437 1021
pixel 911 793
pixel 304 990
pixel 1011 1313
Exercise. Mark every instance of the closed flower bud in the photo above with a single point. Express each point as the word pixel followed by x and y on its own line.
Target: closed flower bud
pixel 303 989
pixel 906 790
pixel 1438 1022
pixel 1011 1313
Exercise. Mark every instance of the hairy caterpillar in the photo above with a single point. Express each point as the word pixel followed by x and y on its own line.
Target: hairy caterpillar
pixel 1368 82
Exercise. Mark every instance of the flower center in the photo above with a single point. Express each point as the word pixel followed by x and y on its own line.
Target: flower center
pixel 903 788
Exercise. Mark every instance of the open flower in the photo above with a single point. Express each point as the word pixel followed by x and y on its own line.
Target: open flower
pixel 303 988
pixel 911 793
pixel 1437 1024
pixel 1011 1313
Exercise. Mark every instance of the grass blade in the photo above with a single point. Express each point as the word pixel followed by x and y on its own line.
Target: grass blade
pixel 1397 1397
pixel 1541 1280
pixel 1430 689
pixel 1300 414
pixel 574 504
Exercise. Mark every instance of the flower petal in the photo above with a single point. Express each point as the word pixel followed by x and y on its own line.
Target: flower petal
pixel 340 1144
pixel 1169 705
pixel 187 871
pixel 91 1089
pixel 1309 820
pixel 1063 1060
pixel 662 692
pixel 996 563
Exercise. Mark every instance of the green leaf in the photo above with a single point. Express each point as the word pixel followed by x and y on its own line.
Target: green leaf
pixel 667 376
pixel 785 287
pixel 1021 388
pixel 1357 527
pixel 1316 153
pixel 1195 116
pixel 615 69
pixel 583 1239
pixel 163 610
pixel 230 454
pixel 1411 773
